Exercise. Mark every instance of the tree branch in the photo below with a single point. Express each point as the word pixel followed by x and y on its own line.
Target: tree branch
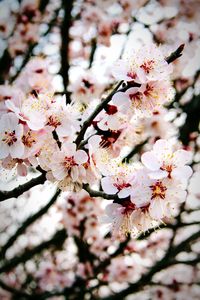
pixel 28 222
pixel 65 38
pixel 16 192
pixel 57 240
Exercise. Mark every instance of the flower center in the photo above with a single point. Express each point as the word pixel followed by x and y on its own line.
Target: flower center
pixel 28 139
pixel 121 186
pixel 9 138
pixel 148 91
pixel 53 121
pixel 167 168
pixel 69 162
pixel 136 97
pixel 158 190
pixel 132 75
pixel 147 66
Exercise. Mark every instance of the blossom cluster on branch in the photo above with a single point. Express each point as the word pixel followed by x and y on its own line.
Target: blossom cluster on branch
pixel 99 112
pixel 39 130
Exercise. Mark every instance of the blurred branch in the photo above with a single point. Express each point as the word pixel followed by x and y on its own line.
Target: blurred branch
pixel 65 39
pixel 56 241
pixel 28 222
pixel 176 54
pixel 5 64
pixel 32 46
pixel 134 151
pixel 92 53
pixel 16 192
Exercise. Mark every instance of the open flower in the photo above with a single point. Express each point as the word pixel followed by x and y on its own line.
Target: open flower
pixel 158 197
pixel 163 162
pixel 120 182
pixel 120 218
pixel 144 99
pixel 145 64
pixel 10 136
pixel 68 163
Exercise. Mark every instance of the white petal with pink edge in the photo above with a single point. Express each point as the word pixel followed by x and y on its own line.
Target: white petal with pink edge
pixel 108 187
pixel 150 161
pixel 80 157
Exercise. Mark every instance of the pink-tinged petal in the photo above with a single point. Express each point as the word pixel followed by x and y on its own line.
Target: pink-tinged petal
pixel 103 125
pixel 36 121
pixel 80 157
pixel 140 196
pixel 142 78
pixel 21 170
pixel 124 193
pixel 59 173
pixel 94 141
pixel 69 148
pixel 162 146
pixel 176 195
pixel 74 173
pixel 113 209
pixel 182 157
pixel 158 174
pixel 19 131
pixel 150 161
pixel 13 120
pixel 11 106
pixel 107 186
pixel 119 70
pixel 4 150
pixel 120 98
pixel 157 209
pixel 132 90
pixel 182 173
pixel 17 150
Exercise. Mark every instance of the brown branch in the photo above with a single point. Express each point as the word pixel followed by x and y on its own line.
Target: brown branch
pixel 98 109
pixel 176 54
pixel 28 222
pixel 56 241
pixel 18 191
pixel 65 39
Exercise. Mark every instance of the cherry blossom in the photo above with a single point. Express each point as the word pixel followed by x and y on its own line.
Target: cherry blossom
pixel 120 182
pixel 11 136
pixel 67 164
pixel 163 162
pixel 145 64
pixel 146 98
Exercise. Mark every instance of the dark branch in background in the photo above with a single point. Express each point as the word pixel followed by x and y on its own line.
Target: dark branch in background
pixel 56 241
pixel 31 48
pixel 191 124
pixel 27 223
pixel 43 4
pixel 4 195
pixel 165 262
pixel 5 64
pixel 135 150
pixel 6 60
pixel 176 54
pixel 65 39
pixel 92 53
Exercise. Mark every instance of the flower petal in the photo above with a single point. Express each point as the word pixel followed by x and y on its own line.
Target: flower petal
pixel 150 161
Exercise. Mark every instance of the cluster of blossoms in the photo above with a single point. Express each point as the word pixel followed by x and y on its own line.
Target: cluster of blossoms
pixel 118 158
pixel 39 129
pixel 24 26
pixel 150 193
